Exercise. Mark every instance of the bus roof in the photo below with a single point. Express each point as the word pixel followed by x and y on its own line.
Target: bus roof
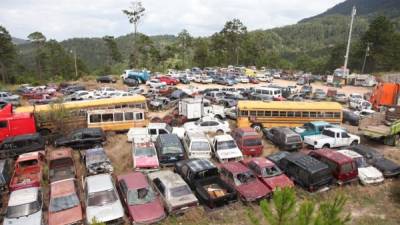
pixel 84 104
pixel 287 105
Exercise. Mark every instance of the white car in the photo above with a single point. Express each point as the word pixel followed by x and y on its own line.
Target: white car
pixel 135 90
pixel 83 95
pixel 105 92
pixel 197 145
pixel 276 75
pixel 206 80
pixel 208 124
pixel 244 79
pixel 102 201
pixel 332 138
pixel 25 207
pixel 121 94
pixel 155 83
pixel 354 97
pixel 231 113
pixel 226 149
pixel 364 113
pixel 366 173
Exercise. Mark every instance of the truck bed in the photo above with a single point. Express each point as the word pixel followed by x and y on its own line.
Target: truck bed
pixel 376 131
pixel 215 192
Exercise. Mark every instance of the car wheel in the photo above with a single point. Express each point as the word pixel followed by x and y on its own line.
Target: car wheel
pixel 326 146
pixel 257 127
pixel 354 143
pixel 220 132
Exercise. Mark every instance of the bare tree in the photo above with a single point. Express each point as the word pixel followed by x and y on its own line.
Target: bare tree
pixel 135 13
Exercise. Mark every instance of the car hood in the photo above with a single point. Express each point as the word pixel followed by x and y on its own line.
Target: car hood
pixel 229 153
pixel 105 213
pixel 299 130
pixel 369 172
pixel 68 216
pixel 149 212
pixel 33 219
pixel 253 190
pixel 190 125
pixel 280 181
pixel 387 166
pixel 183 200
pixel 145 161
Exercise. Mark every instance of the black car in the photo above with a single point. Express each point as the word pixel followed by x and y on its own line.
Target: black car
pixel 106 79
pixel 131 82
pixel 169 149
pixel 306 90
pixel 82 139
pixel 307 172
pixel 14 146
pixel 388 167
pixel 73 88
pixel 283 137
pixel 350 117
pixel 184 80
pixel 203 178
pixel 277 157
pixel 6 169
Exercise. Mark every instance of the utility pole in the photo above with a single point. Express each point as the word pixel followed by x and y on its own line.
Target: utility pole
pixel 365 57
pixel 346 58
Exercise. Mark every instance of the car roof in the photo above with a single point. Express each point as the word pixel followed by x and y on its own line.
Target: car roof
pixel 61 153
pixel 168 178
pixel 100 182
pixel 23 196
pixel 168 137
pixel 62 188
pixel 29 156
pixel 350 153
pixel 319 123
pixel 333 155
pixel 235 167
pixel 196 135
pixel 157 125
pixel 366 150
pixel 22 137
pixel 197 165
pixel 223 137
pixel 306 162
pixel 134 180
pixel 248 131
pixel 261 162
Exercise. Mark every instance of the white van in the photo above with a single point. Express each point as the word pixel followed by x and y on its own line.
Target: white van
pixel 196 145
pixel 270 91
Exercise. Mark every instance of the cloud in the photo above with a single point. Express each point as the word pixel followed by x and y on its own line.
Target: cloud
pixel 63 19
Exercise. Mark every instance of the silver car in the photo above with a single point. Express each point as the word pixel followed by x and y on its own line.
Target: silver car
pixel 9 98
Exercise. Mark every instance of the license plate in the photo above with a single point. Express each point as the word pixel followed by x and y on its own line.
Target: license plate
pixel 172 158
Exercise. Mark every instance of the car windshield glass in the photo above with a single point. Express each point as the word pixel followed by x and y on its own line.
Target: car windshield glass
pixel 146 151
pixel 180 191
pixel 63 203
pixel 252 142
pixel 222 145
pixel 361 163
pixel 320 176
pixel 271 171
pixel 347 167
pixel 140 196
pixel 102 198
pixel 64 162
pixel 28 163
pixel 171 149
pixel 200 146
pixel 244 178
pixel 23 210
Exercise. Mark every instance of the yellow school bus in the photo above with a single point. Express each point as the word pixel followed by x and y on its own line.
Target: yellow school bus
pixel 117 119
pixel 260 114
pixel 73 114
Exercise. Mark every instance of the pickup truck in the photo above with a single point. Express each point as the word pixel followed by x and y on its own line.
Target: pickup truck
pixel 332 138
pixel 390 135
pixel 225 148
pixel 151 132
pixel 203 178
pixel 28 171
pixel 313 128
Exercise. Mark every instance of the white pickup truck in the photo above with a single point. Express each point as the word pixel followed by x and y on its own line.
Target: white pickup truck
pixel 332 138
pixel 151 132
pixel 225 149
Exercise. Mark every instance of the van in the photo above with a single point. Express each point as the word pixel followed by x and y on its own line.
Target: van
pixel 264 92
pixel 343 168
pixel 17 145
pixel 248 141
pixel 197 145
pixel 169 149
pixel 285 138
pixel 307 172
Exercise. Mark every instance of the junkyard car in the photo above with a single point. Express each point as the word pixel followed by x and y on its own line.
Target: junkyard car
pixel 169 149
pixel 82 138
pixel 268 173
pixel 248 187
pixel 97 161
pixel 283 137
pixel 102 201
pixel 17 145
pixel 203 177
pixel 277 157
pixel 340 97
pixel 145 157
pixel 226 149
pixel 367 174
pixel 28 171
pixel 208 124
pixel 61 165
pixel 106 79
pixel 141 202
pixel 9 98
pixel 25 207
pixel 6 168
pixel 64 206
pixel 248 141
pixel 332 138
pixel 197 145
pixel 175 193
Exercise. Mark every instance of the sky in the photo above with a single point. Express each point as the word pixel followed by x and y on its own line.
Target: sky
pixel 64 19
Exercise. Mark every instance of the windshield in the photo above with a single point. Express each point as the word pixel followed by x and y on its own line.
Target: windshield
pixel 23 210
pixel 64 162
pixel 140 196
pixel 102 198
pixel 63 203
pixel 222 145
pixel 146 151
pixel 180 191
pixel 244 178
pixel 252 142
pixel 270 171
pixel 200 146
pixel 361 163
pixel 171 150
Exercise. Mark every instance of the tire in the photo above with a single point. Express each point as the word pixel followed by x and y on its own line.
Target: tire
pixel 326 146
pixel 257 127
pixel 220 132
pixel 44 132
pixel 354 143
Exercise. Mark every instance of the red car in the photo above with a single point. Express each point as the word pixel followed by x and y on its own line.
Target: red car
pixel 268 173
pixel 253 80
pixel 168 80
pixel 248 187
pixel 142 204
pixel 28 171
pixel 248 141
pixel 343 168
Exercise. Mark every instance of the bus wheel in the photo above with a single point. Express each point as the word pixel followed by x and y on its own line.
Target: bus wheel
pixel 256 127
pixel 44 132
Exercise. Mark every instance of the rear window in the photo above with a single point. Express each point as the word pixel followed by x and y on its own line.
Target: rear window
pixel 347 168
pixel 200 146
pixel 293 139
pixel 320 176
pixel 252 142
pixel 180 191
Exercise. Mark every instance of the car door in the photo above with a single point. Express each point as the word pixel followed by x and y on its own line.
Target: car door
pixel 153 134
pixel 76 140
pixel 159 186
pixel 345 139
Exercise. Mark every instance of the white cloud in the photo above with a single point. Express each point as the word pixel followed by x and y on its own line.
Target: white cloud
pixel 63 19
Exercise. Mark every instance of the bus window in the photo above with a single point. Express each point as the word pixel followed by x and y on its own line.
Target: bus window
pixel 282 114
pixel 253 113
pixel 244 113
pixel 139 116
pixel 306 114
pixel 95 118
pixel 313 114
pixel 328 115
pixel 336 115
pixel 118 117
pixel 320 114
pixel 275 113
pixel 128 115
pixel 3 124
pixel 297 114
pixel 260 113
pixel 290 114
pixel 107 117
pixel 267 113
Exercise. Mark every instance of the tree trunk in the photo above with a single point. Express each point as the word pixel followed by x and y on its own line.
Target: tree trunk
pixel 3 72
